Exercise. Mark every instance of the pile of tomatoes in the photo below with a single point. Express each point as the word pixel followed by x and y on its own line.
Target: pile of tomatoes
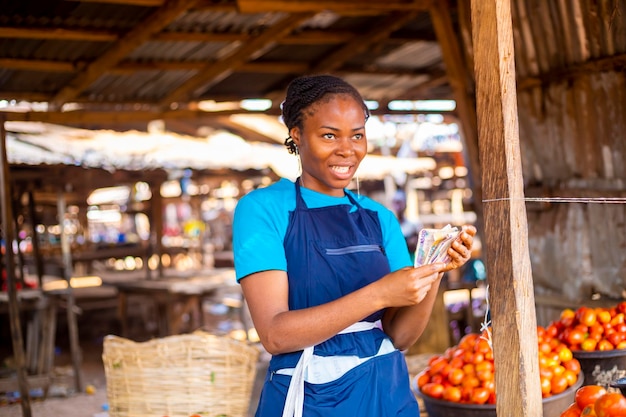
pixel 465 373
pixel 592 329
pixel 596 401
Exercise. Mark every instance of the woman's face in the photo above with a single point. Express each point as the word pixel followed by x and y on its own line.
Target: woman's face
pixel 331 144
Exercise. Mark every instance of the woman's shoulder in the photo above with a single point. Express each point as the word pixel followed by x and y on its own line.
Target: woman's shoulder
pixel 273 196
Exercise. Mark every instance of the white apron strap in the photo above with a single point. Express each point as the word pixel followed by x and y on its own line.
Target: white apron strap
pixel 294 403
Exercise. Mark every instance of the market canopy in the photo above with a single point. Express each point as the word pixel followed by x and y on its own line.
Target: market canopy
pixel 32 143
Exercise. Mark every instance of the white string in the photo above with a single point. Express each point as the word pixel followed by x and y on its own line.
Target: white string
pixel 596 200
pixel 485 326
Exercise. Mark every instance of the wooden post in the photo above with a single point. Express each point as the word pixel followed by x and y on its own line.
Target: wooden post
pixel 14 312
pixel 511 294
pixel 72 325
pixel 32 213
pixel 156 224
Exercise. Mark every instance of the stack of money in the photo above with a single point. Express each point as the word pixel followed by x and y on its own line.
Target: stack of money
pixel 433 245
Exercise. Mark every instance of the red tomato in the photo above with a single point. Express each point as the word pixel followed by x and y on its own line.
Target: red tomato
pixel 479 395
pixel 558 384
pixel 586 316
pixel 575 337
pixel 572 365
pixel 452 394
pixel 612 404
pixel 433 390
pixel 588 394
pixel 605 345
pixel 455 376
pixel 422 378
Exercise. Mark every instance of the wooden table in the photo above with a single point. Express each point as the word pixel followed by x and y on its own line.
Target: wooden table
pixel 175 297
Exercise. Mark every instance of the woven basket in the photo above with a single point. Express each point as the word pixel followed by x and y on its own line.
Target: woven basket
pixel 198 373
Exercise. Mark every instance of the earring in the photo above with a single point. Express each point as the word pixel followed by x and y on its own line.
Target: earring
pixel 358 187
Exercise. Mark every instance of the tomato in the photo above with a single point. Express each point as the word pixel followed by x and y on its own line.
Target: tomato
pixel 479 395
pixel 433 390
pixel 575 336
pixel 471 381
pixel 605 345
pixel 621 307
pixel 546 386
pixel 588 394
pixel 611 404
pixel 589 344
pixel 422 379
pixel 616 338
pixel 455 376
pixel 586 316
pixel 452 394
pixel 572 365
pixel 438 364
pixel 571 377
pixel 572 411
pixel 604 316
pixel 565 354
pixel 567 317
pixel 618 319
pixel 558 384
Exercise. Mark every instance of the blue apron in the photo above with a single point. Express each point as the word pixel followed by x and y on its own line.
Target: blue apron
pixel 333 251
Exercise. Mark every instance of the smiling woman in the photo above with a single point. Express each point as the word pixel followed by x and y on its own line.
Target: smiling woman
pixel 327 274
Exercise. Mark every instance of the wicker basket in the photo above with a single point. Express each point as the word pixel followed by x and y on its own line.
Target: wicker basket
pixel 197 373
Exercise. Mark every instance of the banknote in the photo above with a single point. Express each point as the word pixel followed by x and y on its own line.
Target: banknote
pixel 433 245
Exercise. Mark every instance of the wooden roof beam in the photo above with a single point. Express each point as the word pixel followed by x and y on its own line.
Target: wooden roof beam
pixel 37 65
pixel 142 32
pixel 201 4
pixel 215 71
pixel 58 34
pixel 336 6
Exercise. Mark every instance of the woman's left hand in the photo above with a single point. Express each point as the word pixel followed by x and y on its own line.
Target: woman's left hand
pixel 461 249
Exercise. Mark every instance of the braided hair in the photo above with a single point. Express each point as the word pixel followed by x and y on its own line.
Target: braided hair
pixel 305 91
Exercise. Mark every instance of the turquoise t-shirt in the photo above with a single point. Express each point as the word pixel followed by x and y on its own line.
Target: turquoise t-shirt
pixel 262 216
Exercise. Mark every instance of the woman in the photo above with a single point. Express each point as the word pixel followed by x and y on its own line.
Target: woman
pixel 327 274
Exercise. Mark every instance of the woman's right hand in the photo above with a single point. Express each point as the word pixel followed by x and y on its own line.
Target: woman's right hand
pixel 408 286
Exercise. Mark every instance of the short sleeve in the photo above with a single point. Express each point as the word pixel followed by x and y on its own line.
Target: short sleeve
pixel 257 237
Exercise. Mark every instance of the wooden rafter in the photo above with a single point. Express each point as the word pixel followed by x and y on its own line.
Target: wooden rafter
pixel 213 72
pixel 337 6
pixel 37 65
pixel 58 34
pixel 201 4
pixel 115 117
pixel 153 24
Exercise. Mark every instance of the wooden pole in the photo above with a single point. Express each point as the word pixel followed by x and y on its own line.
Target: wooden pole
pixel 14 312
pixel 511 294
pixel 32 213
pixel 72 325
pixel 156 225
